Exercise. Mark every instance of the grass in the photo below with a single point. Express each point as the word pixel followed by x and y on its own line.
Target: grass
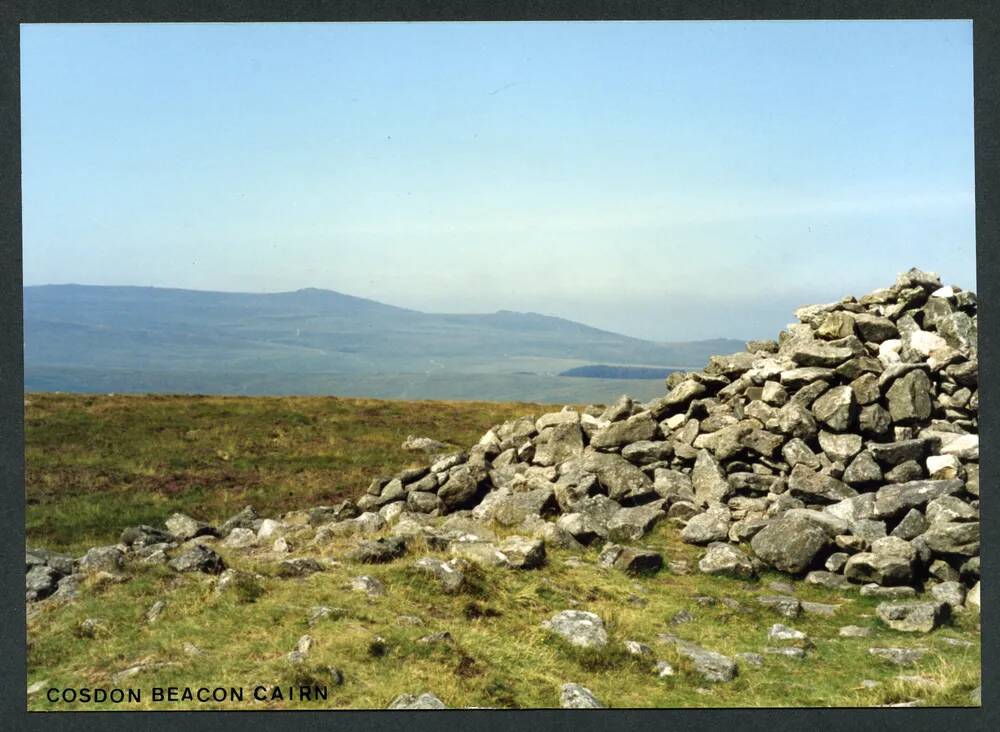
pixel 499 656
pixel 96 464
pixel 244 643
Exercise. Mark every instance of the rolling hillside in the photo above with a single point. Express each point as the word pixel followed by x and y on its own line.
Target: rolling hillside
pixel 88 338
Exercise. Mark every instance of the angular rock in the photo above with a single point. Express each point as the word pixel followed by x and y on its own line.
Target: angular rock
pixel 638 427
pixel 631 524
pixel 483 553
pixel 619 477
pixel 959 538
pixel 579 628
pixel 898 656
pixel 951 594
pixel 806 352
pixel 460 488
pixel 240 539
pixel 712 525
pixel 798 452
pixel 448 575
pixel 198 559
pixel 810 485
pixel 790 544
pixel 712 666
pixel 909 398
pixel 890 562
pixel 973 598
pixel 947 509
pixel 424 502
pixel 827 579
pixel 522 552
pixel 646 452
pixel 912 525
pixel 912 617
pixel 574 696
pixel 379 551
pixel 558 444
pixel 837 408
pixel 728 560
pixel 682 394
pixel 422 701
pixel 371 586
pixel 630 560
pixel 840 447
pixel 893 500
pixel 708 479
pixel 513 508
pixel 103 559
pixel 142 536
pixel 785 605
pixel 184 527
pixel 590 518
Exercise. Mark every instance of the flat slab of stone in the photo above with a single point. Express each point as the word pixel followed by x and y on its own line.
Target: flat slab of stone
pixel 712 666
pixel 579 628
pixel 898 656
pixel 912 617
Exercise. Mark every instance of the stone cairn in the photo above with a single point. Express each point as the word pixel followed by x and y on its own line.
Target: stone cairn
pixel 846 453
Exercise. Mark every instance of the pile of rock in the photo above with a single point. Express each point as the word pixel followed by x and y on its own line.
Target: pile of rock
pixel 846 452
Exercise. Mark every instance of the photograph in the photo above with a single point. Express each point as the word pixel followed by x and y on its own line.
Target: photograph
pixel 499 365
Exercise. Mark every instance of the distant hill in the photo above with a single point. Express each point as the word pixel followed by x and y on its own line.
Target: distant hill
pixel 89 338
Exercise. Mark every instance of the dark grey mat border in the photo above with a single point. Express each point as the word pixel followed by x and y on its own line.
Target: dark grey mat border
pixel 986 16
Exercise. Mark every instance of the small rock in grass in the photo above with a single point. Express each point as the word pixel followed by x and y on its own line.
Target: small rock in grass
pixel 784 633
pixel 789 607
pixel 198 559
pixel 411 701
pixel 574 696
pixel 522 552
pixel 635 648
pixel 887 593
pixel 298 567
pixel 579 628
pixel 681 616
pixel 663 669
pixel 711 665
pixel 379 551
pixel 912 617
pixel 750 659
pixel 898 656
pixel 442 637
pixel 819 608
pixel 448 574
pixel 367 584
pixel 154 612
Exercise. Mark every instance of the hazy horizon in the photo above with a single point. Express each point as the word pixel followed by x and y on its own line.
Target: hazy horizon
pixel 667 181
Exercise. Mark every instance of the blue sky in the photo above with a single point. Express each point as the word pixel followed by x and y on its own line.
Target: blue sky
pixel 666 180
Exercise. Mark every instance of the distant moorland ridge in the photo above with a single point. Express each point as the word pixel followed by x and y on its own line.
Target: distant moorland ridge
pixel 96 338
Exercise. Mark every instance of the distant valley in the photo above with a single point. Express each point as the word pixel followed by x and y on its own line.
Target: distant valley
pixel 141 339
